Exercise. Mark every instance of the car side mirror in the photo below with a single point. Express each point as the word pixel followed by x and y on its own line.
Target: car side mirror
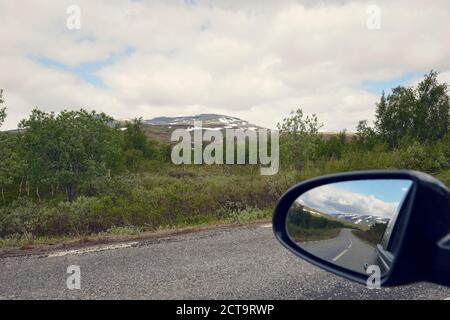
pixel 357 223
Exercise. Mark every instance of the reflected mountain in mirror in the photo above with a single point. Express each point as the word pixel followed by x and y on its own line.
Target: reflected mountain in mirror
pixel 348 223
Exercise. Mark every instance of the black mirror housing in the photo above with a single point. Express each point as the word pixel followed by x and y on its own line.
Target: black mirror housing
pixel 422 229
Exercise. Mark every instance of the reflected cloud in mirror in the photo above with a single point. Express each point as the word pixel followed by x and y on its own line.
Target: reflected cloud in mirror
pixel 348 223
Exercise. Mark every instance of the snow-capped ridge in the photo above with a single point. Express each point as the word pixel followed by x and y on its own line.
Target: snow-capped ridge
pixel 209 121
pixel 359 219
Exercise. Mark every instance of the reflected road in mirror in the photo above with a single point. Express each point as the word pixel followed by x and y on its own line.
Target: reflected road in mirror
pixel 348 223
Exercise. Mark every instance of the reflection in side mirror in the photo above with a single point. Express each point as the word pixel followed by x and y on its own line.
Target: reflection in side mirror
pixel 348 223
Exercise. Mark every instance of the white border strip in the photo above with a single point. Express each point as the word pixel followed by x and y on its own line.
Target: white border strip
pixel 92 249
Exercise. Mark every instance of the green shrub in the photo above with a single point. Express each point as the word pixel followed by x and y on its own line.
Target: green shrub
pixel 420 157
pixel 145 202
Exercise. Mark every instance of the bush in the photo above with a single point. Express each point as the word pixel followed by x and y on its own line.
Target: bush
pixel 27 217
pixel 420 157
pixel 145 202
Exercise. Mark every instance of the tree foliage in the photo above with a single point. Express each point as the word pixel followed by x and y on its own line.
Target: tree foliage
pixel 135 139
pixel 69 148
pixel 299 138
pixel 332 147
pixel 138 147
pixel 301 218
pixel 2 116
pixel 421 113
pixel 2 110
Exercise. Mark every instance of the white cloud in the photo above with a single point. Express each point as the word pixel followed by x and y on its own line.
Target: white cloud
pixel 333 200
pixel 256 60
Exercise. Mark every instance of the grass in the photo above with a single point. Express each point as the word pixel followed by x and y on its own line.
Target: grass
pixel 163 198
pixel 444 176
pixel 302 235
pixel 374 235
pixel 369 237
pixel 134 232
pixel 25 241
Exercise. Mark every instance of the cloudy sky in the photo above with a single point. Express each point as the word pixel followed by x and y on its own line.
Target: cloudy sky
pixel 366 197
pixel 252 59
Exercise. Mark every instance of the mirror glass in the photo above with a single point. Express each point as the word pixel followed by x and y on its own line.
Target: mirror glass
pixel 348 223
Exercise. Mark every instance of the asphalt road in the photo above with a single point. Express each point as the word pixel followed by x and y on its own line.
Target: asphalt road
pixel 346 250
pixel 240 263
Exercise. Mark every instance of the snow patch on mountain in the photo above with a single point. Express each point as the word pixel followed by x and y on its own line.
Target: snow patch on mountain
pixel 359 219
pixel 209 120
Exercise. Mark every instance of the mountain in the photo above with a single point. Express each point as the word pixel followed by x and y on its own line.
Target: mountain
pixel 359 219
pixel 160 128
pixel 209 120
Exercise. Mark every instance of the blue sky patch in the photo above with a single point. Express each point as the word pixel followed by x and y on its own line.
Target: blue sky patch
pixel 86 71
pixel 387 190
pixel 378 87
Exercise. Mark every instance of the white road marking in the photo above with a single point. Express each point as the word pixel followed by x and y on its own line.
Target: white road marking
pixel 340 255
pixel 269 225
pixel 343 252
pixel 92 249
pixel 447 298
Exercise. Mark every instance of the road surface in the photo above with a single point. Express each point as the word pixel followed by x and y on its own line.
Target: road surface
pixel 238 263
pixel 345 250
